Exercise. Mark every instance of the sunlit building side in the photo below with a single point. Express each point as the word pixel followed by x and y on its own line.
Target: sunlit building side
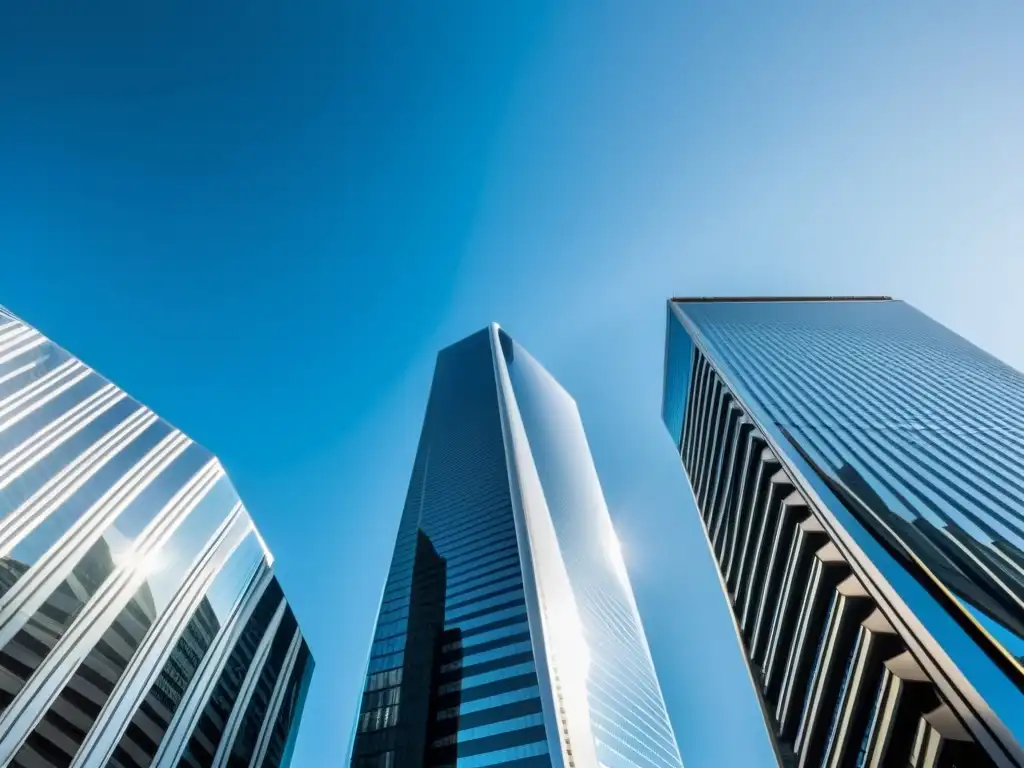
pixel 140 621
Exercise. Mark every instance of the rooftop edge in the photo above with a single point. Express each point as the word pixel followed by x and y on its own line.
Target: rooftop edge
pixel 739 299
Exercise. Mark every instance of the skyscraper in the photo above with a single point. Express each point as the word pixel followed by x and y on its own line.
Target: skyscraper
pixel 859 472
pixel 140 620
pixel 507 632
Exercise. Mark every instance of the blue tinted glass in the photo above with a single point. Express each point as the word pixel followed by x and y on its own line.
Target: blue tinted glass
pixel 452 634
pixel 920 434
pixel 678 362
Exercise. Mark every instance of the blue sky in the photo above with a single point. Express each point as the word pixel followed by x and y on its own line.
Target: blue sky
pixel 264 219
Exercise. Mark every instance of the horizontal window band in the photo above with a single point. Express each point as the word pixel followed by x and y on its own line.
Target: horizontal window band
pixel 503 601
pixel 488 689
pixel 458 710
pixel 533 755
pixel 474 656
pixel 496 714
pixel 476 669
pixel 482 557
pixel 453 654
pixel 488 618
pixel 501 741
pixel 507 586
pixel 470 580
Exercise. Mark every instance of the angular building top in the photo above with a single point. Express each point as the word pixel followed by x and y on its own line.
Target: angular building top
pixel 901 450
pixel 140 620
pixel 507 632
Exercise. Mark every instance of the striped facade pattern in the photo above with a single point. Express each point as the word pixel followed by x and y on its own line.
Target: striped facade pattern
pixel 487 613
pixel 813 433
pixel 140 621
pixel 627 712
pixel 452 675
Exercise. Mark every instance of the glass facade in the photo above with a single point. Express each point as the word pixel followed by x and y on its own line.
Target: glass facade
pixel 861 445
pixel 507 632
pixel 140 621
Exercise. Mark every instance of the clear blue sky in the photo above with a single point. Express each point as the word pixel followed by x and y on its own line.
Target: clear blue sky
pixel 263 219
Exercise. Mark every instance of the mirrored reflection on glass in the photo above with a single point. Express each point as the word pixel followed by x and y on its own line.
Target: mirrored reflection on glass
pixel 60 733
pixel 24 472
pixel 60 520
pixel 166 567
pixel 281 650
pixel 36 638
pixel 911 419
pixel 455 586
pixel 902 440
pixel 87 481
pixel 232 579
pixel 469 624
pixel 279 742
pixel 626 707
pixel 156 495
pixel 37 420
pixel 209 731
pixel 138 745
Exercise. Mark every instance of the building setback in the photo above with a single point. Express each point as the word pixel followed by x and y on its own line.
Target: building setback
pixel 507 632
pixel 859 472
pixel 140 621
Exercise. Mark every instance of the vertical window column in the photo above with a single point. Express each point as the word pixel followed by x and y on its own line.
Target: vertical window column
pixel 779 488
pixel 693 403
pixel 815 622
pixel 905 692
pixel 797 537
pixel 749 479
pixel 876 643
pixel 724 514
pixel 941 741
pixel 701 393
pixel 706 457
pixel 806 536
pixel 754 516
pixel 722 449
pixel 831 665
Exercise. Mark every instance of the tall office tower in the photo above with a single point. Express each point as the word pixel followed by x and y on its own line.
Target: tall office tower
pixel 507 633
pixel 859 471
pixel 140 620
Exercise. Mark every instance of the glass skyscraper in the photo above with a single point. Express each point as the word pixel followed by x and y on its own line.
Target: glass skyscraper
pixel 859 472
pixel 507 633
pixel 140 620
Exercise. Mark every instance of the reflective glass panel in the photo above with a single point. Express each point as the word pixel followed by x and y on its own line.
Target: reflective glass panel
pixel 455 587
pixel 914 437
pixel 626 708
pixel 138 745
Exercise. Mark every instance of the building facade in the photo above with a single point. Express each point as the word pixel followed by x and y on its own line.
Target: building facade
pixel 140 620
pixel 507 633
pixel 859 472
